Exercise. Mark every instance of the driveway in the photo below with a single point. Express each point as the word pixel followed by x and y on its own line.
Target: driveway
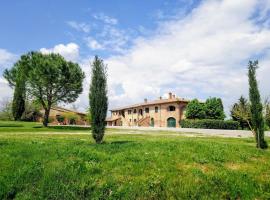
pixel 192 132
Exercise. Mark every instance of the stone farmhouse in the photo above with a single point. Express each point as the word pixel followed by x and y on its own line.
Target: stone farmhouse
pixel 56 112
pixel 158 113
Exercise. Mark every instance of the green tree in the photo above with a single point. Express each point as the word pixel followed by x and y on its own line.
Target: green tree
pixel 16 77
pixel 32 111
pixel 214 109
pixel 195 110
pixel 52 79
pixel 98 99
pixel 256 106
pixel 241 112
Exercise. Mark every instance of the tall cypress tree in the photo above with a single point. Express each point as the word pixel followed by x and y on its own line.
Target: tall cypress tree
pixel 98 99
pixel 256 106
pixel 16 77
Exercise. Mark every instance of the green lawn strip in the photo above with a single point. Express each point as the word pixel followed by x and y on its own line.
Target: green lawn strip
pixel 131 167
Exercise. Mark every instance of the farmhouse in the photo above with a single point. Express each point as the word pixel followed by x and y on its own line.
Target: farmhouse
pixel 68 116
pixel 158 113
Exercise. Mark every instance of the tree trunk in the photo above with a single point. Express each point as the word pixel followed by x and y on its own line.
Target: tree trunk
pixel 46 117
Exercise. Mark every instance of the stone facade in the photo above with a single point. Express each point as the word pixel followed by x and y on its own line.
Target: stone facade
pixel 58 111
pixel 159 113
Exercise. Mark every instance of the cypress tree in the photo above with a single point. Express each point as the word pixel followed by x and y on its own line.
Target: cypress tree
pixel 18 103
pixel 16 77
pixel 98 99
pixel 256 106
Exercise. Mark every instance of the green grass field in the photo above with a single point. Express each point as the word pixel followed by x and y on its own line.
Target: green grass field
pixel 72 166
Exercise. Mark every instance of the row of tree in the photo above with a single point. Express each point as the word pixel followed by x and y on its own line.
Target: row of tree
pixel 211 109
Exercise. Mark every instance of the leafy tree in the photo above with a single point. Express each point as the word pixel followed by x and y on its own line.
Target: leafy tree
pixel 16 77
pixel 214 109
pixel 32 111
pixel 195 110
pixel 241 112
pixel 98 99
pixel 52 79
pixel 256 107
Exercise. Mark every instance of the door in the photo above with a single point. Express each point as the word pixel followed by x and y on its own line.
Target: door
pixel 152 123
pixel 171 122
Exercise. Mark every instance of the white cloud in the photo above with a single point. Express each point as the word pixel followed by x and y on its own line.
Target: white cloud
pixel 69 51
pixel 93 44
pixel 6 91
pixel 105 18
pixel 6 58
pixel 203 54
pixel 83 27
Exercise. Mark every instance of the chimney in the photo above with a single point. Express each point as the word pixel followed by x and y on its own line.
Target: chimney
pixel 173 96
pixel 160 97
pixel 170 95
pixel 145 100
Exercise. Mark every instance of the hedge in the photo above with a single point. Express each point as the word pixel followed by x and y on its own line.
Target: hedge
pixel 68 127
pixel 210 124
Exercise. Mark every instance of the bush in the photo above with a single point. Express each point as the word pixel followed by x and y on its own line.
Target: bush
pixel 210 124
pixel 60 118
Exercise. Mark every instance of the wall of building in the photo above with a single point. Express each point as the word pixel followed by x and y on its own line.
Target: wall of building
pixel 160 118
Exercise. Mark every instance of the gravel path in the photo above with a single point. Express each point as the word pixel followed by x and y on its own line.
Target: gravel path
pixel 192 132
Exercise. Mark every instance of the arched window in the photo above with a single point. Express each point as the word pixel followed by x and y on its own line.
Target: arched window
pixel 134 111
pixel 140 112
pixel 171 108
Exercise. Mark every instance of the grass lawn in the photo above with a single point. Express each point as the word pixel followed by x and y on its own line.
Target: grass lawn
pixel 59 166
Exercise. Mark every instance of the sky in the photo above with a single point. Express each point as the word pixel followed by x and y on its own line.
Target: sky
pixel 195 49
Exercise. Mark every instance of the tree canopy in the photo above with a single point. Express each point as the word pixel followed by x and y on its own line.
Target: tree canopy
pixel 241 112
pixel 195 110
pixel 214 109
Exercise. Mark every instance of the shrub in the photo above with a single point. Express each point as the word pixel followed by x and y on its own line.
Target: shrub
pixel 210 124
pixel 71 117
pixel 60 118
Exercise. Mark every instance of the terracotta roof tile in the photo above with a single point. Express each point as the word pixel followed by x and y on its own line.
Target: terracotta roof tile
pixel 159 101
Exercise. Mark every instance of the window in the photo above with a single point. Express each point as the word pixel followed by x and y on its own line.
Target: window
pixel 134 111
pixel 135 120
pixel 146 110
pixel 140 112
pixel 130 120
pixel 129 112
pixel 171 108
pixel 156 109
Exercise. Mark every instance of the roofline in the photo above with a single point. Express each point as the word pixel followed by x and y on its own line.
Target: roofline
pixel 151 103
pixel 68 110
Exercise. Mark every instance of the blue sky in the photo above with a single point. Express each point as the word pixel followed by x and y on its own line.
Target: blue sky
pixel 194 49
pixel 32 25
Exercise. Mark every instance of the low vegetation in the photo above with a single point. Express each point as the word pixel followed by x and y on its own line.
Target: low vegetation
pixel 210 124
pixel 59 166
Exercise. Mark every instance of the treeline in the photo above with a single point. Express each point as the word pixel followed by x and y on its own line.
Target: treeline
pixel 208 115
